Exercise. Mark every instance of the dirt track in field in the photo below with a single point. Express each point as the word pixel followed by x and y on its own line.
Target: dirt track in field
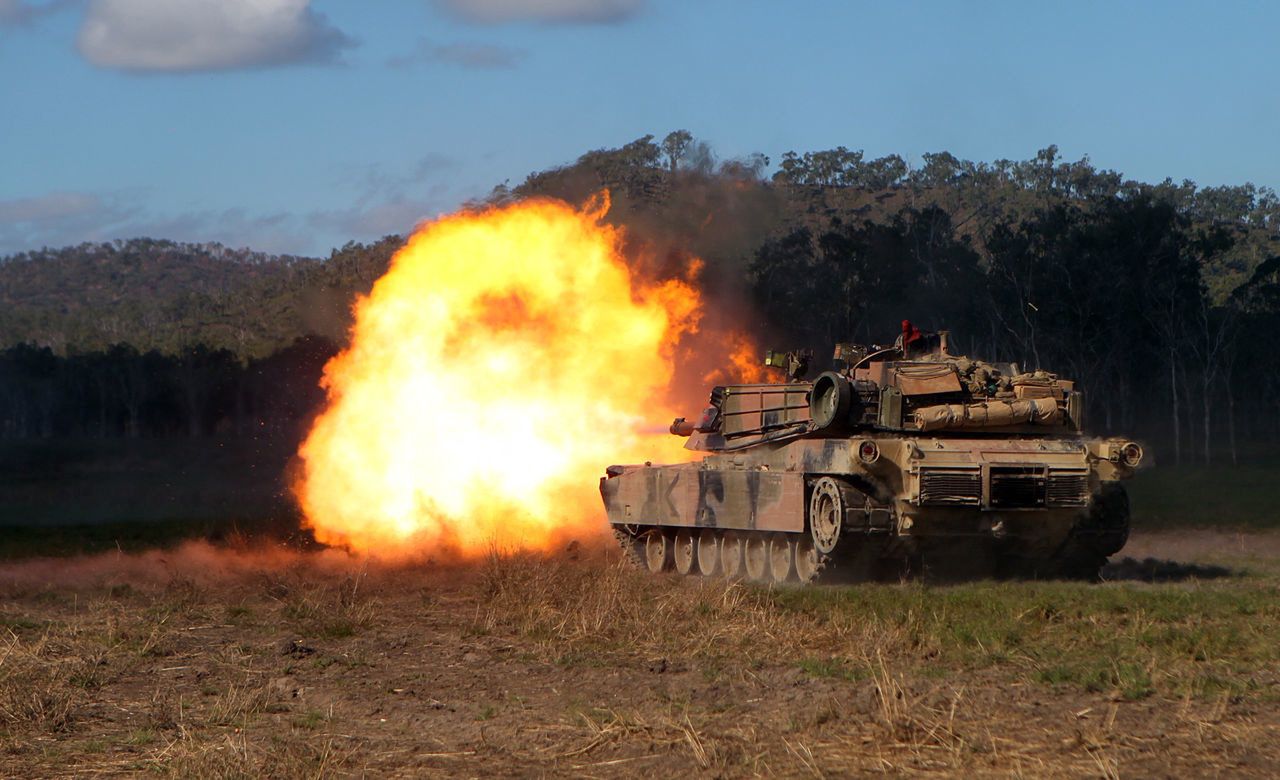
pixel 214 663
pixel 1200 545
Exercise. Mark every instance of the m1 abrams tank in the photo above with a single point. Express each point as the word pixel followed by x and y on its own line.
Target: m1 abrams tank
pixel 901 460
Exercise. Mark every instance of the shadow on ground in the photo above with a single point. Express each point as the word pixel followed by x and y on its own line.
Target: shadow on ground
pixel 1156 570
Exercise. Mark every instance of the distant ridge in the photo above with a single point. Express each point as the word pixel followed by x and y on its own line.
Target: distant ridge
pixel 165 295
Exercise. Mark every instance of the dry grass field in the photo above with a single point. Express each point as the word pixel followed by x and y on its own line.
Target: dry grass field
pixel 251 662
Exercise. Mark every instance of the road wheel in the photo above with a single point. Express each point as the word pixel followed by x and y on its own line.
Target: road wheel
pixel 708 553
pixel 809 563
pixel 826 515
pixel 756 558
pixel 684 551
pixel 732 550
pixel 782 556
pixel 657 551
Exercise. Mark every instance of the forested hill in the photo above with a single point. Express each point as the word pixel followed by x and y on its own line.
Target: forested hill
pixel 1162 299
pixel 811 217
pixel 167 296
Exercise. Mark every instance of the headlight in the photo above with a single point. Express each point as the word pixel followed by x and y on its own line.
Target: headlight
pixel 1131 454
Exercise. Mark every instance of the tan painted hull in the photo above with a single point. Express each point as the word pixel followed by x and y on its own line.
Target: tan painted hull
pixel 1029 494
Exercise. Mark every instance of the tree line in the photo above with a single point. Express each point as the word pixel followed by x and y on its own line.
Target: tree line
pixel 1110 294
pixel 195 392
pixel 1161 300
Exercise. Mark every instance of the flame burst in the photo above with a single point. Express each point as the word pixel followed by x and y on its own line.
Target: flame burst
pixel 502 362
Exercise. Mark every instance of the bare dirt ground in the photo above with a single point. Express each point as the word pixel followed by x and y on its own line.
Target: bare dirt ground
pixel 205 662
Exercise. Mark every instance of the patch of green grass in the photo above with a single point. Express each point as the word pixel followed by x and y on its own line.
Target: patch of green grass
pixel 832 668
pixel 311 720
pixel 579 658
pixel 337 629
pixel 1134 640
pixel 348 661
pixel 140 737
pixel 1097 675
pixel 1219 495
pixel 20 622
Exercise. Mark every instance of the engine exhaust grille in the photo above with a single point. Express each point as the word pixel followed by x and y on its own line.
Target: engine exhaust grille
pixel 1068 489
pixel 942 487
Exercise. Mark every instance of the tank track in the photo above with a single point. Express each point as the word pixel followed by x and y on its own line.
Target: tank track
pixel 632 551
pixel 857 559
pixel 1099 535
pixel 1081 555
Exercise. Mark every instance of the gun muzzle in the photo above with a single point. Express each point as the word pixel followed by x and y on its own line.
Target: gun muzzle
pixel 681 427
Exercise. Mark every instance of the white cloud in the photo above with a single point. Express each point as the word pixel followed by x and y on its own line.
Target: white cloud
pixel 48 208
pixel 398 215
pixel 380 182
pixel 15 12
pixel 58 218
pixel 66 218
pixel 391 201
pixel 196 35
pixel 499 11
pixel 383 199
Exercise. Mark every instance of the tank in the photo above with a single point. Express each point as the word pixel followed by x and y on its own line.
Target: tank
pixel 900 460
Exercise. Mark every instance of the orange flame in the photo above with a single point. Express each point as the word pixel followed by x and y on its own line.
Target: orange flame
pixel 503 361
pixel 743 363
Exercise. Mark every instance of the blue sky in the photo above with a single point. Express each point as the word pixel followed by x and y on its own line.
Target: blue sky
pixel 290 125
